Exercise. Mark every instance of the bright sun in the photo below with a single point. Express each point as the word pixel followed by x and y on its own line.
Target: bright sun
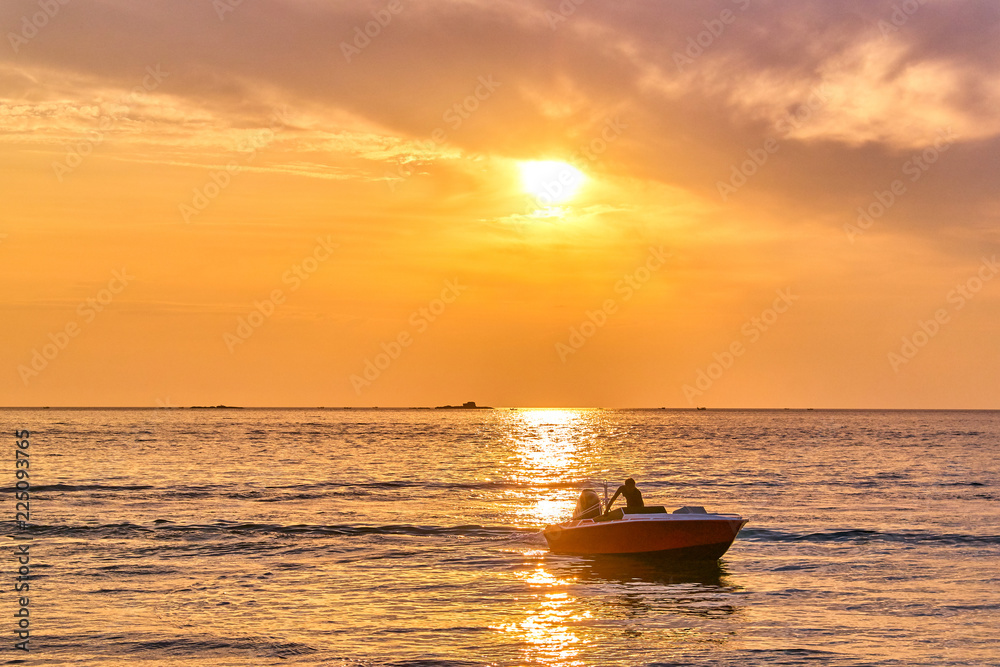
pixel 551 182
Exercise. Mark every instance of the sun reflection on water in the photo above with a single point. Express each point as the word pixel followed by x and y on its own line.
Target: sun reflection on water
pixel 548 416
pixel 547 444
pixel 547 631
pixel 547 458
pixel 551 511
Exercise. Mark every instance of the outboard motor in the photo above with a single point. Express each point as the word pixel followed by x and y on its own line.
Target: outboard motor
pixel 588 506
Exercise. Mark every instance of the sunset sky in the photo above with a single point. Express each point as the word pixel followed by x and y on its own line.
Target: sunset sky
pixel 257 203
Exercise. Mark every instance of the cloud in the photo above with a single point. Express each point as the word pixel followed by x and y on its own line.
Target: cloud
pixel 754 67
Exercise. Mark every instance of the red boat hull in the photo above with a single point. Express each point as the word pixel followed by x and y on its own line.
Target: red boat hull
pixel 687 537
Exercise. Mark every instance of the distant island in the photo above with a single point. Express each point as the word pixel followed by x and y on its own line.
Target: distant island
pixel 471 405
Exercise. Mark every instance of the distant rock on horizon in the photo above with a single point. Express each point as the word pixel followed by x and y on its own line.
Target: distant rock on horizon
pixel 469 405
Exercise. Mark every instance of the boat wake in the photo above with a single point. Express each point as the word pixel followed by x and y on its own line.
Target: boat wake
pixel 864 536
pixel 164 528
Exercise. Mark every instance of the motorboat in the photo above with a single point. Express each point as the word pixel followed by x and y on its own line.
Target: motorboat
pixel 688 533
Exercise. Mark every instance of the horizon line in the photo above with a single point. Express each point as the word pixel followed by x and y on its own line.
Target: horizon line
pixel 483 407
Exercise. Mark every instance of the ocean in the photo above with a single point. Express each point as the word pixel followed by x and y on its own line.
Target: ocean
pixel 411 537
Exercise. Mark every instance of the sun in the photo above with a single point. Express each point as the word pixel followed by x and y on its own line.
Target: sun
pixel 551 181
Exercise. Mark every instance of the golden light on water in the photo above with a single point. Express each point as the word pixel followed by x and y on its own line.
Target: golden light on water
pixel 545 447
pixel 548 417
pixel 545 451
pixel 547 630
pixel 549 638
pixel 539 577
pixel 552 511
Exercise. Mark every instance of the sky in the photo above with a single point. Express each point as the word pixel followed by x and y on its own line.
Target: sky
pixel 532 203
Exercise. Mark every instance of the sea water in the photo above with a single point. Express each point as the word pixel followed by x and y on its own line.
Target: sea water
pixel 411 537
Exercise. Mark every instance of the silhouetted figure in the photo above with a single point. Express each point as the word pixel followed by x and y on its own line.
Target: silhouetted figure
pixel 588 506
pixel 632 495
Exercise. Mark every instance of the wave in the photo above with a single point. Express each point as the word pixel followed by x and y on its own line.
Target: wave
pixel 965 483
pixel 860 535
pixel 165 527
pixel 390 484
pixel 423 484
pixel 533 485
pixel 196 644
pixel 80 487
pixel 337 488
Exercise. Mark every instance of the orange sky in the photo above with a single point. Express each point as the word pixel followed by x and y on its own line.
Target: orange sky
pixel 257 204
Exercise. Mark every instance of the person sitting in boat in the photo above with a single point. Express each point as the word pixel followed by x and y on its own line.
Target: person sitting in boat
pixel 633 496
pixel 588 506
